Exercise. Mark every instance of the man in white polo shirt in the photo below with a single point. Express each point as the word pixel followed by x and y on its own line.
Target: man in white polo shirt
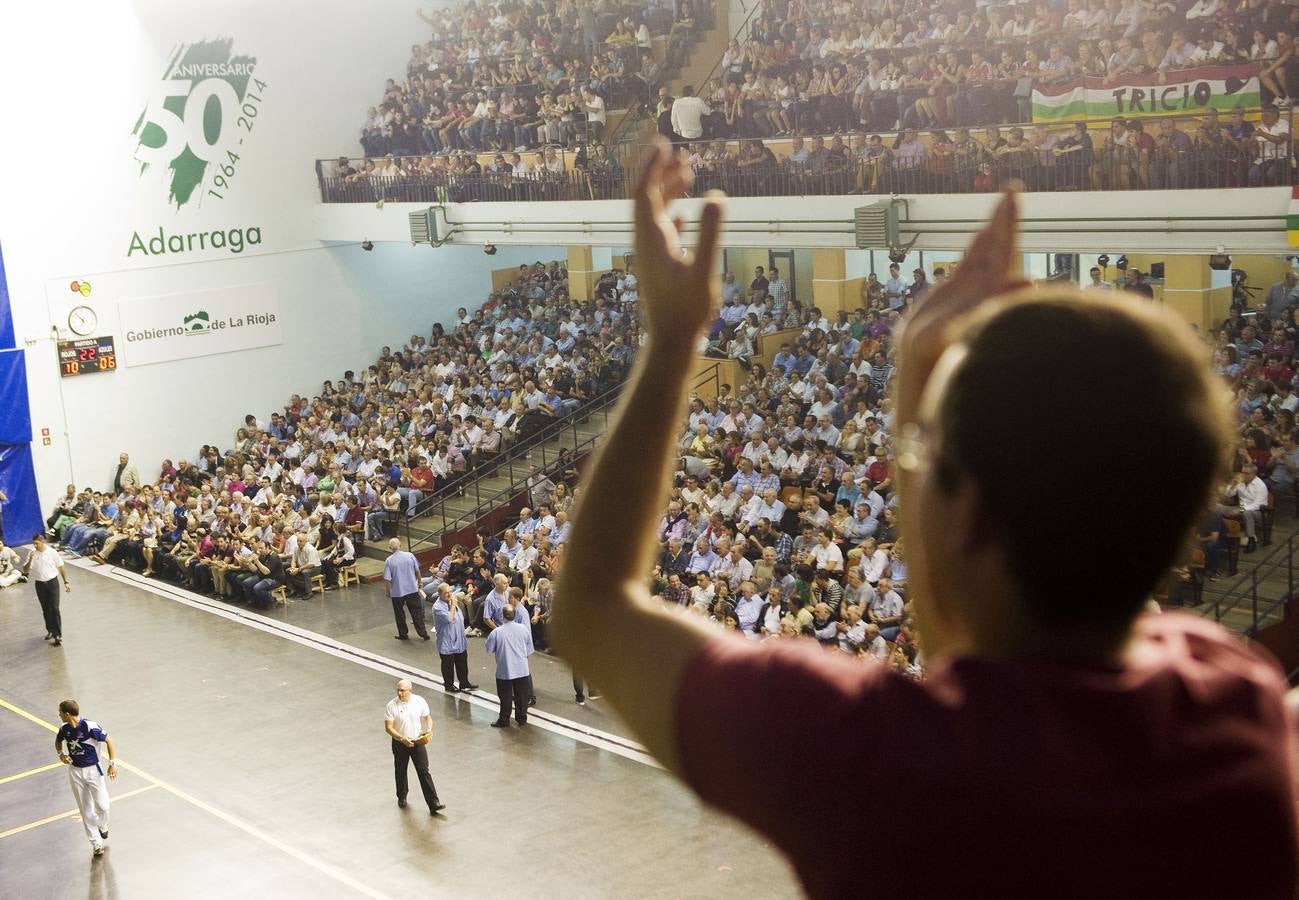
pixel 44 567
pixel 688 113
pixel 409 724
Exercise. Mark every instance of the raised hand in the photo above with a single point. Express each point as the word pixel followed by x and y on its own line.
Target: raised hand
pixel 987 270
pixel 678 290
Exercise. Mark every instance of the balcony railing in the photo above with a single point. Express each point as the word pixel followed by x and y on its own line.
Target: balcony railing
pixel 854 172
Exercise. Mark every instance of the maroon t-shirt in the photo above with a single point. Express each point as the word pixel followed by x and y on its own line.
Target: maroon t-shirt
pixel 1171 776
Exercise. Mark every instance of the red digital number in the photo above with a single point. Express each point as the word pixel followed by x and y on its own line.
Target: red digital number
pixel 88 354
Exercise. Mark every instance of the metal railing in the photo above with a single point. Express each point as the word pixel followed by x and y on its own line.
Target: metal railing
pixel 517 449
pixel 564 458
pixel 846 173
pixel 519 471
pixel 709 376
pixel 561 186
pixel 629 120
pixel 1246 588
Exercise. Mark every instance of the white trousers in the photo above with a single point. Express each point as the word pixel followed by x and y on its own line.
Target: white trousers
pixel 90 790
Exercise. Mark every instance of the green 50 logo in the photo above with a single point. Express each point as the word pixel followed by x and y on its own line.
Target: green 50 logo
pixel 197 120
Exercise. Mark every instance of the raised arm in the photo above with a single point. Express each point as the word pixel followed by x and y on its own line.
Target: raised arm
pixel 603 619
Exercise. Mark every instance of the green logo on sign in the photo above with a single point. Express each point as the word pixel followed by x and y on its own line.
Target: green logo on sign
pixel 197 323
pixel 198 118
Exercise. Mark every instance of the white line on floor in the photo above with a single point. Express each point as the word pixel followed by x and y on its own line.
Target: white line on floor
pixel 305 858
pixel 19 829
pixel 544 721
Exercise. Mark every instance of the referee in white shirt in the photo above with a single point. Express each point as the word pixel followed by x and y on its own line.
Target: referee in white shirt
pixel 409 724
pixel 44 567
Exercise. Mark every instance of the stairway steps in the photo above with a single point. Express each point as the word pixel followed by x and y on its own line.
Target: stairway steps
pixel 428 528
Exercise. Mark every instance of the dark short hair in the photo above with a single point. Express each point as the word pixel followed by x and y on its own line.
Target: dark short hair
pixel 71 707
pixel 1032 473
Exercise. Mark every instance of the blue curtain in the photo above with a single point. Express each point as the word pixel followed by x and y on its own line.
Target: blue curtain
pixel 15 414
pixel 22 513
pixel 6 318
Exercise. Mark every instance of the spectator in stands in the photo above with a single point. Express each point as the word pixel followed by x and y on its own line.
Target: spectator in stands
pixel 1250 494
pixel 1282 295
pixel 1273 160
pixel 688 113
pixel 1279 76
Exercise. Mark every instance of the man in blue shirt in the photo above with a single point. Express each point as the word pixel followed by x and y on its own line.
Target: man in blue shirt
pixel 895 288
pixel 748 610
pixel 494 603
pixel 702 559
pixel 449 622
pixel 785 359
pixel 401 575
pixel 77 745
pixel 512 645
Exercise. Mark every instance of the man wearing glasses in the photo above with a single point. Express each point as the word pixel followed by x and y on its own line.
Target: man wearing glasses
pixel 1056 720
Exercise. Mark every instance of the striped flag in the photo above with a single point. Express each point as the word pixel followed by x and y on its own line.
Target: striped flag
pixel 1188 92
pixel 1292 218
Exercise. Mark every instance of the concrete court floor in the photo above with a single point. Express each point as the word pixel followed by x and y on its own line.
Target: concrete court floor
pixel 258 767
pixel 362 617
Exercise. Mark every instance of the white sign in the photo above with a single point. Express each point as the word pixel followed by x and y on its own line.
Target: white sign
pixel 202 323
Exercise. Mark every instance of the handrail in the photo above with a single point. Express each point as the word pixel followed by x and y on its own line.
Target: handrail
pixel 947 173
pixel 563 459
pixel 1258 615
pixel 735 36
pixel 500 498
pixel 614 138
pixel 518 483
pixel 1246 587
pixel 714 374
pixel 517 449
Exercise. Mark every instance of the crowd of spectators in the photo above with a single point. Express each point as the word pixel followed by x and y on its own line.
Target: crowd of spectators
pixel 298 495
pixel 825 66
pixel 458 177
pixel 782 521
pixel 937 86
pixel 1254 351
pixel 511 75
pixel 1208 151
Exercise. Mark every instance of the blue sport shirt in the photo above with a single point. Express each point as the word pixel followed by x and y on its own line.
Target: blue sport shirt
pixel 82 743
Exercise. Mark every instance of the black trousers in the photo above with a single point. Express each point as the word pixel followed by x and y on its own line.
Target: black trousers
pixel 516 691
pixel 48 593
pixel 457 665
pixel 401 756
pixel 399 607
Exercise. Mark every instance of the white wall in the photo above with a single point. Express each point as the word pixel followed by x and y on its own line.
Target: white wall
pixel 1235 220
pixel 74 83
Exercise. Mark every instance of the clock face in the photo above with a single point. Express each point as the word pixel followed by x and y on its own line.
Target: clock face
pixel 82 320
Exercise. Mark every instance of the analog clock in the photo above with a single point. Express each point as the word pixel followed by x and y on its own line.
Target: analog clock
pixel 82 320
